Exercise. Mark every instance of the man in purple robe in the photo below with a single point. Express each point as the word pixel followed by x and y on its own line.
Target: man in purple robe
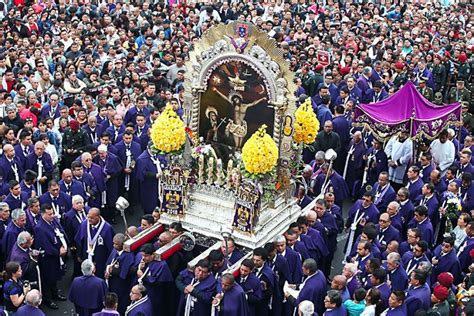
pixel 467 192
pixel 50 238
pixel 396 304
pixel 377 279
pixel 87 292
pixel 445 260
pixel 313 288
pixel 407 208
pixel 361 212
pixel 383 192
pixel 86 181
pixel 112 168
pixel 71 186
pixel 429 199
pixel 94 240
pixel 61 202
pixel 335 184
pixel 230 298
pixel 425 167
pixel 128 152
pixel 280 267
pixel 11 166
pixel 24 147
pixel 32 306
pixel 267 278
pixel 250 284
pixel 296 245
pixel 412 259
pixel 32 214
pixel 118 272
pixel 28 183
pixel 27 258
pixel 230 252
pixel 97 174
pixel 116 128
pixel 351 273
pixel 197 289
pixel 149 168
pixel 106 140
pixel 333 304
pixel 423 223
pixel 292 257
pixel 354 163
pixel 14 228
pixel 72 222
pixel 375 161
pixel 40 162
pixel 415 183
pixel 464 163
pixel 141 304
pixel 396 275
pixel 92 130
pixel 141 131
pixel 419 293
pixel 312 238
pixel 110 306
pixel 16 199
pixel 464 251
pixel 155 276
pixel 386 232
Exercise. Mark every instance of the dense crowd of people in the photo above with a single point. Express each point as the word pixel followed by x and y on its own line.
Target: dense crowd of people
pixel 82 83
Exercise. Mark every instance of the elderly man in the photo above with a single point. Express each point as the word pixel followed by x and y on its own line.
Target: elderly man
pixel 14 228
pixel 350 272
pixel 11 166
pixel 71 186
pixel 112 168
pixel 141 304
pixel 118 272
pixel 40 162
pixel 94 240
pixel 313 287
pixel 230 252
pixel 87 292
pixel 293 258
pixel 230 299
pixel 386 232
pixel 396 276
pixel 339 283
pixel 95 172
pixel 49 237
pixel 27 258
pixel 354 164
pixel 32 307
pixel 383 192
pixel 72 222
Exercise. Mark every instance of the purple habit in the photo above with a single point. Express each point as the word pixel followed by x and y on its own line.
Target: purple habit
pixel 201 295
pixel 87 293
pixel 104 245
pixel 146 175
pixel 28 310
pixel 233 303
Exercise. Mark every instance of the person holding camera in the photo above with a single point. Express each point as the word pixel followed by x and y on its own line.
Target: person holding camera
pixel 14 289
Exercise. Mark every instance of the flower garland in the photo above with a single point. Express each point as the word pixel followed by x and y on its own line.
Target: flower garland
pixel 168 133
pixel 306 124
pixel 260 153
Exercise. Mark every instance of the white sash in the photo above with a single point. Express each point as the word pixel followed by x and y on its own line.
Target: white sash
pixel 15 171
pixel 40 175
pixel 349 154
pixel 92 242
pixel 140 280
pixel 135 304
pixel 156 162
pixel 357 219
pixel 128 153
pixel 190 300
pixel 55 209
pixel 63 242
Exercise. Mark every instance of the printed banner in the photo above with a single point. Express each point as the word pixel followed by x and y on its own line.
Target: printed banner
pixel 246 207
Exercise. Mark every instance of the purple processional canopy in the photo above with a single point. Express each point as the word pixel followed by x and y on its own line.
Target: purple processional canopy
pixel 406 110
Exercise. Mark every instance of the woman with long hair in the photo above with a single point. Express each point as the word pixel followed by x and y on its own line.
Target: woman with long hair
pixel 373 303
pixel 14 291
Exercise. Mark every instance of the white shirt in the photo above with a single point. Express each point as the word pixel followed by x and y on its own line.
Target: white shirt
pixel 443 154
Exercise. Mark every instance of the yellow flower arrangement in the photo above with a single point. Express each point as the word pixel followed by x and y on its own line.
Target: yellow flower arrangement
pixel 168 133
pixel 306 124
pixel 260 153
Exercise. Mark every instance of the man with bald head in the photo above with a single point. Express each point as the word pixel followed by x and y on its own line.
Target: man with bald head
pixel 339 283
pixel 94 240
pixel 320 219
pixel 96 173
pixel 386 232
pixel 10 165
pixel 111 167
pixel 40 162
pixel 71 186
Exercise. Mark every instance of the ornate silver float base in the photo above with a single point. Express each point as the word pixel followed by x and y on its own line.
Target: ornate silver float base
pixel 212 208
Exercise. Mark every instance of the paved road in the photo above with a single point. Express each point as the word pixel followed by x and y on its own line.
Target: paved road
pixel 66 308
